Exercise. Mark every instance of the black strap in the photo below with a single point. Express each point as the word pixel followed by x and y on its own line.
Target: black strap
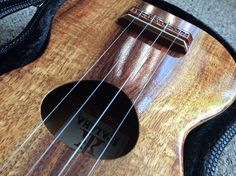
pixel 31 42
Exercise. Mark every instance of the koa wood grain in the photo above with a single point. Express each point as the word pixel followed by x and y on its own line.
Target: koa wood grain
pixel 185 91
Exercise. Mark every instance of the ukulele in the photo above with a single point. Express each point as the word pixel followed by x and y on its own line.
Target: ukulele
pixel 116 92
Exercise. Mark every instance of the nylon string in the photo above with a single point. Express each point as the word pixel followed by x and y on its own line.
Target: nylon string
pixel 88 134
pixel 62 100
pixel 73 117
pixel 135 101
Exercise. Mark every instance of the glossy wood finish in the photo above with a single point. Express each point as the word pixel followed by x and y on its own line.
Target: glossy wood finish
pixel 186 91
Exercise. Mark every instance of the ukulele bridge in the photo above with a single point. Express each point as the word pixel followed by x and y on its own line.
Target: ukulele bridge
pixel 158 25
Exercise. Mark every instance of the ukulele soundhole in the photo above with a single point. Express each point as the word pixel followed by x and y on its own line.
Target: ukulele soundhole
pixel 84 119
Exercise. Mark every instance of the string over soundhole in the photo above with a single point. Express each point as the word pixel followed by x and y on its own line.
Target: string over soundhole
pixel 87 116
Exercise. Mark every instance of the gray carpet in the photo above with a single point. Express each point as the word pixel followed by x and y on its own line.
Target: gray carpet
pixel 220 15
pixel 14 24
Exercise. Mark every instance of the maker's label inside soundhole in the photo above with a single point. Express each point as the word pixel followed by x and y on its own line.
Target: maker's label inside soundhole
pixel 88 124
pixel 97 140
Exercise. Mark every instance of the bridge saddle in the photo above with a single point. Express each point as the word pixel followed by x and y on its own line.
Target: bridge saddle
pixel 157 25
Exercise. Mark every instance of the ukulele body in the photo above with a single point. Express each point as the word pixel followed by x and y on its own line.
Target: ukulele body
pixel 186 90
